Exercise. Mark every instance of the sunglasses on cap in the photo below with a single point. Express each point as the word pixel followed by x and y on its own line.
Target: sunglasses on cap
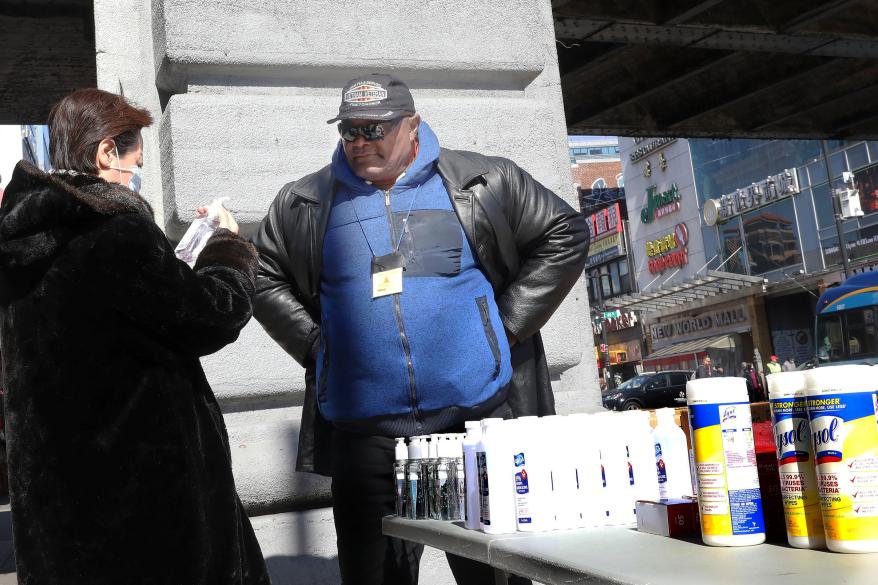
pixel 375 131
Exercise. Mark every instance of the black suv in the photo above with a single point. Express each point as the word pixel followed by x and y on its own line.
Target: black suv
pixel 649 390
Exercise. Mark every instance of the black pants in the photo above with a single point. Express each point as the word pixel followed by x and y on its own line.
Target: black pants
pixel 363 493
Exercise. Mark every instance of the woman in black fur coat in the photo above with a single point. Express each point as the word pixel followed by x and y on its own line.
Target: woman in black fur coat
pixel 118 455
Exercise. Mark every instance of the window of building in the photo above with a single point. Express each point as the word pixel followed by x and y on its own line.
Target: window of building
pixel 620 180
pixel 817 172
pixel 804 180
pixel 772 237
pixel 599 184
pixel 606 285
pixel 600 151
pixel 823 205
pixel 839 163
pixel 613 277
pixel 722 166
pixel 808 233
pixel 731 250
pixel 857 156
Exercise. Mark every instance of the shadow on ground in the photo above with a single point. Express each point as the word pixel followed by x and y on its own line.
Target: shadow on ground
pixel 303 570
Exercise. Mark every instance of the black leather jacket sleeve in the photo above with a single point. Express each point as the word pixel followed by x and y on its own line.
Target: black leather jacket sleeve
pixel 552 242
pixel 276 303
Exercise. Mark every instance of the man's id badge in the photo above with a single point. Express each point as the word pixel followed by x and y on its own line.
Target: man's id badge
pixel 387 274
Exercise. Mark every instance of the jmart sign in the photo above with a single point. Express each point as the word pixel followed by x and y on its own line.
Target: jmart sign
pixel 659 204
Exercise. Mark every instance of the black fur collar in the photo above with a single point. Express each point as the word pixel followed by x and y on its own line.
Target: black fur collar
pixel 105 198
pixel 42 212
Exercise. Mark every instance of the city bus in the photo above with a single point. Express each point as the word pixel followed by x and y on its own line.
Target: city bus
pixel 847 316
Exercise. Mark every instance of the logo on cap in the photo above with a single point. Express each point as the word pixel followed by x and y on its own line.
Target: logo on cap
pixel 365 92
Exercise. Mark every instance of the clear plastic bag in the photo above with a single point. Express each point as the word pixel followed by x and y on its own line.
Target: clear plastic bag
pixel 199 232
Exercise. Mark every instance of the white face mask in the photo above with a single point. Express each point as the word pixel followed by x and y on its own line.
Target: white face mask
pixel 136 179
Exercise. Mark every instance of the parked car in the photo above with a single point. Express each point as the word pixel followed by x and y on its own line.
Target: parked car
pixel 649 390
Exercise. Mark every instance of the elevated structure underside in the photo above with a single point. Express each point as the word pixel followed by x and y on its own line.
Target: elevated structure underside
pixel 719 68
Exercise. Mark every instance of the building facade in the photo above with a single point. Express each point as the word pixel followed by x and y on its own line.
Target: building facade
pixel 756 208
pixel 597 173
pixel 668 249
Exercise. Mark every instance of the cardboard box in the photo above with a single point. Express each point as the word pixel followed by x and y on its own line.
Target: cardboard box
pixel 674 518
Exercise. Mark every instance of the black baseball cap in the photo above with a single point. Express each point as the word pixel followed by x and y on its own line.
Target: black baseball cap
pixel 374 97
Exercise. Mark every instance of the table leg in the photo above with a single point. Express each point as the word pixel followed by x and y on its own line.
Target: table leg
pixel 501 577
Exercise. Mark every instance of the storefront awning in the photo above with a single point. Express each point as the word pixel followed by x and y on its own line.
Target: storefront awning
pixel 688 348
pixel 713 283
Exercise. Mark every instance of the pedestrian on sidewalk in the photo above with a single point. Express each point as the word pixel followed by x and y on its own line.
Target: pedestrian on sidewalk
pixel 773 366
pixel 119 462
pixel 411 282
pixel 706 369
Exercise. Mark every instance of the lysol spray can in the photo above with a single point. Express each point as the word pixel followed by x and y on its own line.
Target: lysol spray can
pixel 795 460
pixel 842 408
pixel 729 500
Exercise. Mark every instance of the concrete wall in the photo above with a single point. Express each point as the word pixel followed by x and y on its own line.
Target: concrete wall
pixel 241 91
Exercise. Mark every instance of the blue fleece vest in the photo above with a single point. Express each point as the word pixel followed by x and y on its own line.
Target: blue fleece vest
pixel 440 343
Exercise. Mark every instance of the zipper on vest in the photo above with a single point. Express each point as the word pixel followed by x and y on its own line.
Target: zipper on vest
pixel 397 311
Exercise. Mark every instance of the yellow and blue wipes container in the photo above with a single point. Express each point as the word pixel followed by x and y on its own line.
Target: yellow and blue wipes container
pixel 729 500
pixel 843 410
pixel 795 459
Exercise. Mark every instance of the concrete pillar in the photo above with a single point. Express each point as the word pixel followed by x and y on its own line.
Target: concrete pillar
pixel 241 91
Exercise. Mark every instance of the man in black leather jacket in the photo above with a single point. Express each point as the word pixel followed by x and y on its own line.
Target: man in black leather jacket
pixel 426 274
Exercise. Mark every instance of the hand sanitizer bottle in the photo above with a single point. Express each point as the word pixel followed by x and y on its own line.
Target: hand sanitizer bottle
pixel 399 466
pixel 195 238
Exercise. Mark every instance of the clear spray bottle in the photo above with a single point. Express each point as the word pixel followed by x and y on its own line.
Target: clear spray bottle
pixel 415 481
pixel 446 470
pixel 460 478
pixel 472 507
pixel 432 471
pixel 399 471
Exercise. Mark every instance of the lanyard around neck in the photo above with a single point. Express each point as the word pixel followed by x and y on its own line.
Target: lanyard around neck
pixel 405 220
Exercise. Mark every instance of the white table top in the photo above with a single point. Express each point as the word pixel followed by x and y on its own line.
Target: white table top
pixel 625 556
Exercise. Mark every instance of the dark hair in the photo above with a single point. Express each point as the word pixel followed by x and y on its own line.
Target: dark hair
pixel 79 122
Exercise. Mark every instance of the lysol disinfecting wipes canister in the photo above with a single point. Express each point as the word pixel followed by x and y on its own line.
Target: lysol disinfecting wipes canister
pixel 725 461
pixel 844 427
pixel 795 460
